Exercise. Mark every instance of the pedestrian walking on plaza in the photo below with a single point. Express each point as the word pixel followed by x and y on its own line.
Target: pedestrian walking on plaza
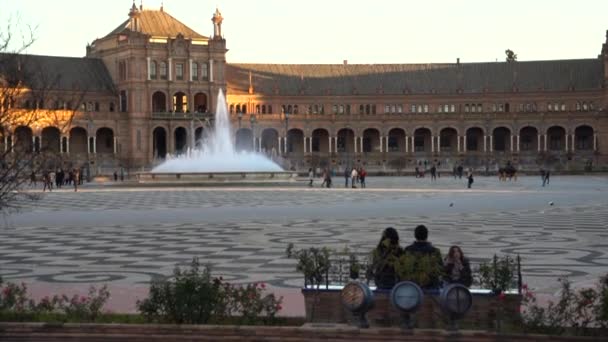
pixel 417 172
pixel 33 179
pixel 547 176
pixel 76 179
pixel 311 176
pixel 46 181
pixel 346 176
pixel 122 174
pixel 362 176
pixel 470 179
pixel 460 171
pixel 115 176
pixel 353 178
pixel 327 179
pixel 454 171
pixel 433 173
pixel 543 173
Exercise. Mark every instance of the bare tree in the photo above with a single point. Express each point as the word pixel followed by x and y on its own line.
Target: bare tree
pixel 27 94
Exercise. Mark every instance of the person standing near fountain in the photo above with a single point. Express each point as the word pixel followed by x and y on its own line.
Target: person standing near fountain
pixel 311 176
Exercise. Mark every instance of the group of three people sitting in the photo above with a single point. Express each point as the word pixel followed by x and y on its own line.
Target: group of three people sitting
pixel 455 268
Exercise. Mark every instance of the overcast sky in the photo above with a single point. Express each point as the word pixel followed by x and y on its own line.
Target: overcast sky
pixel 330 31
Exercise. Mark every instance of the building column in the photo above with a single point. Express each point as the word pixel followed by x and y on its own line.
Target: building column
pixel 335 144
pixel 458 144
pixel 360 144
pixel 439 143
pixel 491 143
pixel 386 144
pixel 432 144
pixel 331 140
pixel 406 144
pixel 309 144
pixel 413 144
pixel 211 70
pixel 573 144
pixel 485 143
pixel 464 144
pixel 566 145
pixel 511 138
pixel 595 142
pixel 115 145
pixel 539 142
pixel 305 144
pixel 260 144
pixel 148 67
pixel 355 144
pixel 545 140
pixel 94 145
pixel 517 143
pixel 33 143
pixel 279 145
pixel 381 144
pixel 170 66
pixel 88 145
pixel 189 78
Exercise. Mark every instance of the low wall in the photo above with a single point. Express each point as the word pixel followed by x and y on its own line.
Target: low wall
pixel 34 332
pixel 326 306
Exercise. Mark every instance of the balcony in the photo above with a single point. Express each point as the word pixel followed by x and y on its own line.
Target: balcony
pixel 181 116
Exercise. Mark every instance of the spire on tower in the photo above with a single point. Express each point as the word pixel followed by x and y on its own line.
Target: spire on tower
pixel 217 24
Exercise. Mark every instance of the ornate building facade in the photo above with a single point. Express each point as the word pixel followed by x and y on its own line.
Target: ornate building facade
pixel 150 86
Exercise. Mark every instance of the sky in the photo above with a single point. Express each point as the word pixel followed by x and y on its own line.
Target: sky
pixel 331 31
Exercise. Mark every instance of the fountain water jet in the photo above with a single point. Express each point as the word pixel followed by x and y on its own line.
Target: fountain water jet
pixel 216 159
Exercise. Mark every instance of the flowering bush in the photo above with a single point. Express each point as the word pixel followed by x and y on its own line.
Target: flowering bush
pixel 193 296
pixel 499 275
pixel 575 312
pixel 14 299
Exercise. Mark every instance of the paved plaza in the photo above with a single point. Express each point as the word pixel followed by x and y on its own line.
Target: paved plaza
pixel 127 235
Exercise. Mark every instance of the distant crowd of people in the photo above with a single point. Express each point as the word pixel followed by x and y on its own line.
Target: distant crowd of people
pixel 57 179
pixel 455 266
pixel 356 176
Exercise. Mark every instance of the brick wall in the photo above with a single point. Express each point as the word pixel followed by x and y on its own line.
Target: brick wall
pixel 33 332
pixel 326 306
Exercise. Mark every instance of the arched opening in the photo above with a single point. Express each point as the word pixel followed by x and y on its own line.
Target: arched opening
pixel 295 141
pixel 244 140
pixel 270 141
pixel 320 140
pixel 23 139
pixel 346 140
pixel 159 143
pixel 78 140
pixel 474 138
pixel 371 140
pixel 105 140
pixel 556 138
pixel 422 140
pixel 502 139
pixel 51 137
pixel 181 140
pixel 583 137
pixel 198 137
pixel 396 140
pixel 159 102
pixel 448 140
pixel 180 102
pixel 200 102
pixel 528 139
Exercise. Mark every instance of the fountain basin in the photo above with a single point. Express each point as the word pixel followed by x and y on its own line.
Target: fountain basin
pixel 216 177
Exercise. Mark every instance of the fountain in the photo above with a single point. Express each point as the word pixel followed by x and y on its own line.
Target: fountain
pixel 216 160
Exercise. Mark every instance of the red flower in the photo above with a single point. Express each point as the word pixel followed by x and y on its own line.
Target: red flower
pixel 524 287
pixel 502 296
pixel 6 291
pixel 83 299
pixel 262 285
pixel 279 307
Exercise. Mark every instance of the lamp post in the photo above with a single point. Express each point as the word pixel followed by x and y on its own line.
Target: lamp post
pixel 252 120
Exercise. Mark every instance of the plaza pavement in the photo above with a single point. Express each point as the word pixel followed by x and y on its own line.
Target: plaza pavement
pixel 124 235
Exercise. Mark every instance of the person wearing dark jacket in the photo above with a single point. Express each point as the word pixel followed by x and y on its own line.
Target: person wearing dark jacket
pixel 383 258
pixel 457 268
pixel 421 247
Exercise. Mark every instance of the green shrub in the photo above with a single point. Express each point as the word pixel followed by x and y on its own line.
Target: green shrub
pixel 423 269
pixel 193 296
pixel 313 262
pixel 498 275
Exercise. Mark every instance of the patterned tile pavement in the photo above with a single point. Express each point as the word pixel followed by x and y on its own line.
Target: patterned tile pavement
pixel 127 236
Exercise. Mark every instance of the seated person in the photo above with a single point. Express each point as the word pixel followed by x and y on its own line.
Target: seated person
pixel 457 268
pixel 421 247
pixel 383 258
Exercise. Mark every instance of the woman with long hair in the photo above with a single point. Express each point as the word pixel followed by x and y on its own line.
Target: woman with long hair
pixel 457 268
pixel 383 258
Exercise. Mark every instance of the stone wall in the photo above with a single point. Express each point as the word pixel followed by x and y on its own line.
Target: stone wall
pixel 326 306
pixel 33 332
